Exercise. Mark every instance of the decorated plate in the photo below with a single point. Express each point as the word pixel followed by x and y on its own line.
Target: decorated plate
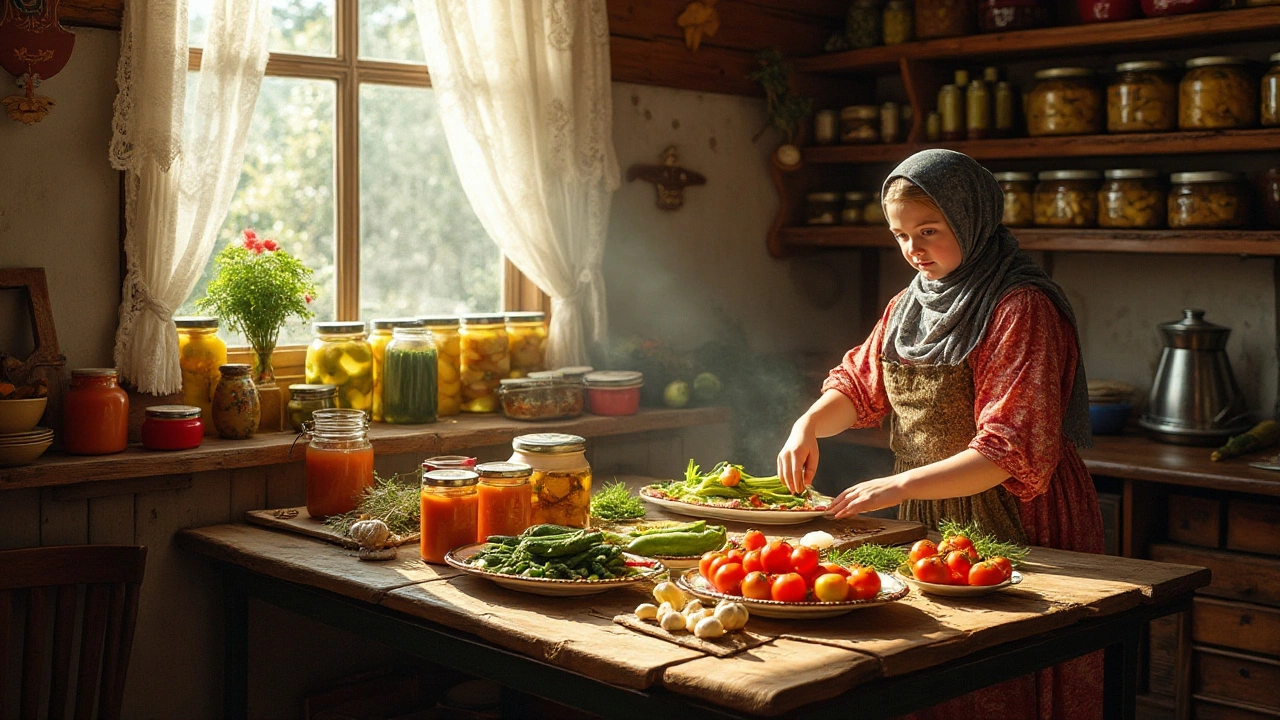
pixel 459 558
pixel 758 516
pixel 891 589
pixel 957 590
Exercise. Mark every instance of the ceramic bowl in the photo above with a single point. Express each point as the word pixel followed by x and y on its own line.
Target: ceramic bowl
pixel 20 415
pixel 1109 418
pixel 13 455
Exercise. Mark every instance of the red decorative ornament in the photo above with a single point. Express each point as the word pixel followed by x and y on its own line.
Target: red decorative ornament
pixel 33 48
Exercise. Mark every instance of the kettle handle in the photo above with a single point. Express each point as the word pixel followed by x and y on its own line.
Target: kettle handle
pixel 1221 418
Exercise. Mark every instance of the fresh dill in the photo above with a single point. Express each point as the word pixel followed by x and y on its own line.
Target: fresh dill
pixel 882 558
pixel 394 500
pixel 615 502
pixel 987 545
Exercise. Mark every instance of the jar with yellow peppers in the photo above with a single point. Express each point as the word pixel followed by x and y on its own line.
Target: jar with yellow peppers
pixel 341 356
pixel 200 352
pixel 561 477
pixel 1271 93
pixel 1067 198
pixel 1212 199
pixel 444 332
pixel 527 338
pixel 486 359
pixel 1142 98
pixel 1131 198
pixel 1217 92
pixel 1018 188
pixel 379 337
pixel 1065 101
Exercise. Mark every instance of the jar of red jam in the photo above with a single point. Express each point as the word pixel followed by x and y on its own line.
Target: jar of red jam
pixel 95 413
pixel 172 427
pixel 613 392
pixel 450 508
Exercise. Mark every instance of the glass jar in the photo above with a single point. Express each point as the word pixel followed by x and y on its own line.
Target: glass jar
pixel 200 352
pixel 527 338
pixel 1217 92
pixel 1142 98
pixel 978 111
pixel 1271 93
pixel 1161 8
pixel 614 392
pixel 825 128
pixel 172 427
pixel 506 499
pixel 339 465
pixel 95 413
pixel 949 104
pixel 1271 198
pixel 449 462
pixel 304 400
pixel 860 124
pixel 822 208
pixel 548 396
pixel 1208 200
pixel 236 408
pixel 1018 188
pixel 450 512
pixel 561 477
pixel 1108 10
pixel 410 387
pixel 854 203
pixel 873 212
pixel 486 360
pixel 1065 101
pixel 1005 103
pixel 933 126
pixel 1131 198
pixel 445 335
pixel 944 18
pixel 341 356
pixel 890 123
pixel 1067 198
pixel 1004 15
pixel 862 24
pixel 379 337
pixel 896 22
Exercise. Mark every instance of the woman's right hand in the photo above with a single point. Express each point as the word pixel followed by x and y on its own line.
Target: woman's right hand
pixel 798 460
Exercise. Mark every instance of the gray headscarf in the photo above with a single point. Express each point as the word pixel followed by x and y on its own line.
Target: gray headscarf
pixel 941 321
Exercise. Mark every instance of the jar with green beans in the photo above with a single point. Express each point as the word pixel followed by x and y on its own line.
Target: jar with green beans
pixel 409 388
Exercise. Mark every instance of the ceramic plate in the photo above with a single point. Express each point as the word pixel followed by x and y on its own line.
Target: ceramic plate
pixel 745 515
pixel 958 590
pixel 891 589
pixel 552 587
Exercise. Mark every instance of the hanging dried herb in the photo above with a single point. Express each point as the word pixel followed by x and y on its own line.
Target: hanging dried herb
pixel 786 110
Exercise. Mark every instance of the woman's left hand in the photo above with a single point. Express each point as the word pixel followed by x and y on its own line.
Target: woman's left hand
pixel 867 496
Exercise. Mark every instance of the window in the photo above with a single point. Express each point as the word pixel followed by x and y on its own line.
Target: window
pixel 347 166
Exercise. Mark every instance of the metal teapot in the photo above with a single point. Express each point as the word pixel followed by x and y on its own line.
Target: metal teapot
pixel 1194 399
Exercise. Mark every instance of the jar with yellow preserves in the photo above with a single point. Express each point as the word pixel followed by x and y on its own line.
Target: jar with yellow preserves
pixel 444 332
pixel 1018 189
pixel 486 360
pixel 1271 93
pixel 1064 101
pixel 341 356
pixel 1211 199
pixel 1217 92
pixel 1142 98
pixel 527 338
pixel 1067 198
pixel 200 352
pixel 1131 198
pixel 379 337
pixel 561 477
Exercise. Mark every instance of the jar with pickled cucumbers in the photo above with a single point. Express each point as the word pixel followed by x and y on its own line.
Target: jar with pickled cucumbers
pixel 378 339
pixel 1142 98
pixel 341 356
pixel 1067 198
pixel 561 477
pixel 1217 92
pixel 527 338
pixel 1211 199
pixel 1131 198
pixel 1271 94
pixel 410 382
pixel 1064 101
pixel 304 400
pixel 444 333
pixel 200 352
pixel 1018 188
pixel 486 360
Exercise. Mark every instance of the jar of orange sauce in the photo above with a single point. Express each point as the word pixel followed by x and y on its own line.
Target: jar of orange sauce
pixel 506 499
pixel 449 512
pixel 95 413
pixel 339 461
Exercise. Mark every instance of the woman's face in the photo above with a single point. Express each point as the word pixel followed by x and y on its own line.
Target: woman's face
pixel 924 237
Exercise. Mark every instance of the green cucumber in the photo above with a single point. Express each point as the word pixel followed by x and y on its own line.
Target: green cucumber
pixel 681 544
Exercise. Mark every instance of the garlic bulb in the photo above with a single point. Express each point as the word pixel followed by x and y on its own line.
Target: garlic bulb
pixel 647 611
pixel 672 622
pixel 708 628
pixel 371 534
pixel 669 592
pixel 732 615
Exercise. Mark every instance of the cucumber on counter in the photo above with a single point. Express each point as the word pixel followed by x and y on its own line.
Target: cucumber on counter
pixel 678 540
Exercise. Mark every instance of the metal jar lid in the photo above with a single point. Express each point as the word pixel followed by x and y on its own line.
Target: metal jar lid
pixel 1193 332
pixel 450 478
pixel 440 320
pixel 503 470
pixel 313 392
pixel 546 375
pixel 1064 72
pixel 234 369
pixel 614 379
pixel 1014 176
pixel 574 372
pixel 549 443
pixel 860 112
pixel 856 196
pixel 95 372
pixel 392 323
pixel 483 319
pixel 822 197
pixel 527 383
pixel 1131 174
pixel 196 321
pixel 526 317
pixel 173 412
pixel 1144 66
pixel 1205 176
pixel 1211 60
pixel 340 327
pixel 1070 175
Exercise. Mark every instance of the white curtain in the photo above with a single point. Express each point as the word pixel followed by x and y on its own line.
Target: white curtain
pixel 523 88
pixel 178 183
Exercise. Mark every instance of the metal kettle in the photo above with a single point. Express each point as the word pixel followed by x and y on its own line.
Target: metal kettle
pixel 1194 399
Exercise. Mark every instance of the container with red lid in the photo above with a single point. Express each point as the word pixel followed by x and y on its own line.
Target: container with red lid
pixel 172 427
pixel 613 392
pixel 448 462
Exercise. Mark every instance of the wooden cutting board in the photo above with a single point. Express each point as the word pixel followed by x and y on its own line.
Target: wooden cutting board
pixel 297 520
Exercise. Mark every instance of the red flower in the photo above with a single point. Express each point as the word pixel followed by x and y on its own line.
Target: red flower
pixel 308 298
pixel 250 234
pixel 270 244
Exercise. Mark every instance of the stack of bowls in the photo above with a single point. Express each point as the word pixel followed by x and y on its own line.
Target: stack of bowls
pixel 1110 403
pixel 21 442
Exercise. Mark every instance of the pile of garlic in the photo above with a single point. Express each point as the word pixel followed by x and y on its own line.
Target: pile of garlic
pixel 703 622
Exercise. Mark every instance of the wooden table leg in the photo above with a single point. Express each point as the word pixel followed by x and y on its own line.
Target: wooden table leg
pixel 235 676
pixel 1120 675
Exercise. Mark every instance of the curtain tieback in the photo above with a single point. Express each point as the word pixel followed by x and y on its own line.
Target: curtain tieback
pixel 157 307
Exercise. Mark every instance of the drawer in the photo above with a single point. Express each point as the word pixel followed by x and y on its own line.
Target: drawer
pixel 1195 520
pixel 1253 526
pixel 1208 709
pixel 1235 676
pixel 1162 654
pixel 1242 626
pixel 1235 576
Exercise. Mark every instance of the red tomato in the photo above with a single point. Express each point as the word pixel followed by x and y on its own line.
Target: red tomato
pixel 932 570
pixel 959 563
pixel 754 540
pixel 776 557
pixel 735 555
pixel 923 549
pixel 864 583
pixel 835 568
pixel 812 575
pixel 960 542
pixel 756 585
pixel 1005 566
pixel 804 559
pixel 704 565
pixel 789 587
pixel 957 578
pixel 752 563
pixel 729 578
pixel 986 573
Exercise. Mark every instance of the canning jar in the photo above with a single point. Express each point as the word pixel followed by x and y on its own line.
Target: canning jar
pixel 822 208
pixel 95 413
pixel 486 359
pixel 860 124
pixel 1217 92
pixel 1108 10
pixel 444 333
pixel 1003 15
pixel 527 338
pixel 1018 188
pixel 933 126
pixel 855 202
pixel 977 111
pixel 1211 199
pixel 1161 8
pixel 506 499
pixel 172 427
pixel 200 352
pixel 1005 109
pixel 339 461
pixel 944 18
pixel 1271 198
pixel 897 21
pixel 561 477
pixel 873 212
pixel 1067 198
pixel 1131 198
pixel 862 23
pixel 825 128
pixel 1271 93
pixel 236 406
pixel 1142 98
pixel 950 102
pixel 304 400
pixel 410 387
pixel 449 462
pixel 379 337
pixel 546 395
pixel 616 392
pixel 450 505
pixel 341 356
pixel 890 123
pixel 1064 101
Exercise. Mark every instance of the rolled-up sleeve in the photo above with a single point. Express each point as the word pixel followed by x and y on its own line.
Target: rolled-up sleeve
pixel 860 378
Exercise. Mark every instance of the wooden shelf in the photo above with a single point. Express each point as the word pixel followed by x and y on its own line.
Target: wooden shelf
pixel 1178 242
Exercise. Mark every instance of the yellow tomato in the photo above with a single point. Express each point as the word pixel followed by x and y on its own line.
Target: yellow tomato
pixel 830 587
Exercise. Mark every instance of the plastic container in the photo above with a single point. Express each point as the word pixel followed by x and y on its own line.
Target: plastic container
pixel 450 511
pixel 1065 101
pixel 200 353
pixel 561 478
pixel 1019 188
pixel 860 124
pixel 444 333
pixel 1131 198
pixel 1092 11
pixel 614 392
pixel 527 339
pixel 172 427
pixel 1217 92
pixel 541 398
pixel 341 356
pixel 1067 198
pixel 95 413
pixel 822 208
pixel 486 360
pixel 1270 103
pixel 944 18
pixel 379 338
pixel 506 499
pixel 410 383
pixel 236 405
pixel 339 461
pixel 304 400
pixel 1208 200
pixel 1143 97
pixel 1005 15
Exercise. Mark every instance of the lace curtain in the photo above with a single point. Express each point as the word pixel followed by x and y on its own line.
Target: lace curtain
pixel 523 88
pixel 178 182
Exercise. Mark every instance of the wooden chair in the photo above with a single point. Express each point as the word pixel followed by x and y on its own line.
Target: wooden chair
pixel 54 600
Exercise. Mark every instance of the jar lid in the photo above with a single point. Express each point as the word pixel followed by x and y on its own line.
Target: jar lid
pixel 549 443
pixel 173 412
pixel 483 319
pixel 411 331
pixel 1210 60
pixel 440 320
pixel 574 372
pixel 1194 332
pixel 235 369
pixel 196 321
pixel 450 478
pixel 545 375
pixel 340 327
pixel 1140 65
pixel 304 391
pixel 503 470
pixel 1275 57
pixel 341 417
pixel 392 323
pixel 856 196
pixel 822 197
pixel 1204 176
pixel 1063 72
pixel 860 112
pixel 443 462
pixel 1130 173
pixel 1014 176
pixel 1070 175
pixel 614 378
pixel 95 372
pixel 528 383
pixel 526 317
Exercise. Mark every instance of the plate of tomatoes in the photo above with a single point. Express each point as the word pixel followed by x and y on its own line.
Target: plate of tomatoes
pixel 955 569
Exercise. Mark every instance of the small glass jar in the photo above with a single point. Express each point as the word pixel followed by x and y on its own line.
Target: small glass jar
pixel 561 477
pixel 1131 198
pixel 1208 200
pixel 1162 8
pixel 897 22
pixel 486 360
pixel 978 111
pixel 1018 189
pixel 236 406
pixel 200 352
pixel 1271 94
pixel 822 208
pixel 1005 103
pixel 304 400
pixel 950 102
pixel 527 339
pixel 890 123
pixel 854 203
pixel 1092 11
pixel 444 333
pixel 860 124
pixel 1065 101
pixel 1271 198
pixel 172 427
pixel 411 377
pixel 341 356
pixel 944 18
pixel 614 392
pixel 1143 97
pixel 449 462
pixel 450 504
pixel 862 24
pixel 379 337
pixel 873 211
pixel 1005 15
pixel 546 395
pixel 825 127
pixel 1067 198
pixel 339 466
pixel 1217 92
pixel 95 413
pixel 506 499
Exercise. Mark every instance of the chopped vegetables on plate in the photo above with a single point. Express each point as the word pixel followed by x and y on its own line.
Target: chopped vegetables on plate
pixel 731 486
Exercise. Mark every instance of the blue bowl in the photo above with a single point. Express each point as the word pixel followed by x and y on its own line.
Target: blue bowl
pixel 1109 418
